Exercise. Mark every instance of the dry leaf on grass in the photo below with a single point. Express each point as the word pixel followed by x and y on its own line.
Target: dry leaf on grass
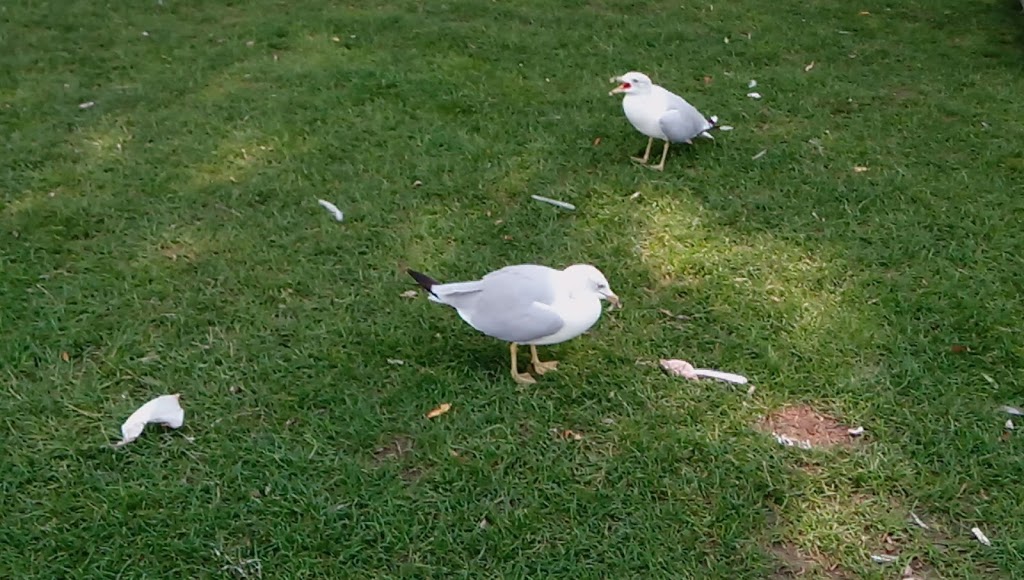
pixel 863 13
pixel 708 80
pixel 165 410
pixel 597 141
pixel 566 434
pixel 409 294
pixel 440 410
pixel 809 67
pixel 64 356
pixel 959 348
pixel 859 169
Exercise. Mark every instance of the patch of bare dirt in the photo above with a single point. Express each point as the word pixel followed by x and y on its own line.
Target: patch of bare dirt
pixel 801 423
pixel 177 250
pixel 396 448
pixel 792 563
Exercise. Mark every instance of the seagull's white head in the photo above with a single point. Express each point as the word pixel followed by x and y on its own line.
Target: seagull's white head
pixel 632 83
pixel 590 280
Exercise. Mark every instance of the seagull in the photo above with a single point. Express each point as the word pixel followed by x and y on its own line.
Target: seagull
pixel 527 304
pixel 659 114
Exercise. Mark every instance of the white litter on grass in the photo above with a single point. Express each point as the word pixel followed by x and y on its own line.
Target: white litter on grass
pixel 981 536
pixel 751 84
pixel 759 155
pixel 554 202
pixel 86 105
pixel 165 410
pixel 726 128
pixel 918 521
pixel 635 195
pixel 1009 425
pixel 338 215
pixel 883 558
pixel 1012 410
pixel 396 361
pixel 754 95
pixel 791 442
pixel 681 368
pixel 856 431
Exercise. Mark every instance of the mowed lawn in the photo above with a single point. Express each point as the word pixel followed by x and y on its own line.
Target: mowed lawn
pixel 167 239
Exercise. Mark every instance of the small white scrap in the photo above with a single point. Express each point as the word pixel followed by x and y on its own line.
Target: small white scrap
pixel 681 368
pixel 86 105
pixel 856 431
pixel 788 442
pixel 751 84
pixel 918 521
pixel 809 67
pixel 883 558
pixel 165 410
pixel 726 128
pixel 754 96
pixel 759 155
pixel 338 215
pixel 981 536
pixel 750 391
pixel 1009 425
pixel 396 361
pixel 1012 410
pixel 554 202
pixel 635 195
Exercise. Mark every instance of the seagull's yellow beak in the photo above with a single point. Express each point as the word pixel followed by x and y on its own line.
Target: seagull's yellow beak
pixel 615 301
pixel 623 86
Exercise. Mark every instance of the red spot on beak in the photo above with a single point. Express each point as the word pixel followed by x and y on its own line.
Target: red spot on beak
pixel 625 86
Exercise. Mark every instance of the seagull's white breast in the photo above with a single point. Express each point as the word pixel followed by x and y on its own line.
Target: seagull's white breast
pixel 579 314
pixel 644 111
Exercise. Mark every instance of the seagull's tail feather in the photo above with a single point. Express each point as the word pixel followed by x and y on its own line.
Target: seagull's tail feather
pixel 426 282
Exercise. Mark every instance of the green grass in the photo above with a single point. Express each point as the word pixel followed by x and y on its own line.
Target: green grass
pixel 168 239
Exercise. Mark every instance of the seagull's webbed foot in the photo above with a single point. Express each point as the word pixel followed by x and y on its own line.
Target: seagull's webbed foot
pixel 647 154
pixel 521 378
pixel 540 367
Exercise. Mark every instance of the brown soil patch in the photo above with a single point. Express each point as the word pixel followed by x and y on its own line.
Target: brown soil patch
pixel 803 423
pixel 398 447
pixel 795 564
pixel 177 250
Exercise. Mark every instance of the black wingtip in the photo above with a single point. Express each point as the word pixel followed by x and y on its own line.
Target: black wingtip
pixel 423 280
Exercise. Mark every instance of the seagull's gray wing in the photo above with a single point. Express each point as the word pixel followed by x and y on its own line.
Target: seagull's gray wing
pixel 511 304
pixel 682 122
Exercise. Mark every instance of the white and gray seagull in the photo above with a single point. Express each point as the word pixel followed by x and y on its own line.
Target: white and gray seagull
pixel 659 114
pixel 527 304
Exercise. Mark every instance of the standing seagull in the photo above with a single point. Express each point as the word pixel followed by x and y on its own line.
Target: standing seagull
pixel 527 304
pixel 659 114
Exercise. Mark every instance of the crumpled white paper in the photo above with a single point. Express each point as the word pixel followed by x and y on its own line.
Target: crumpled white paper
pixel 165 410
